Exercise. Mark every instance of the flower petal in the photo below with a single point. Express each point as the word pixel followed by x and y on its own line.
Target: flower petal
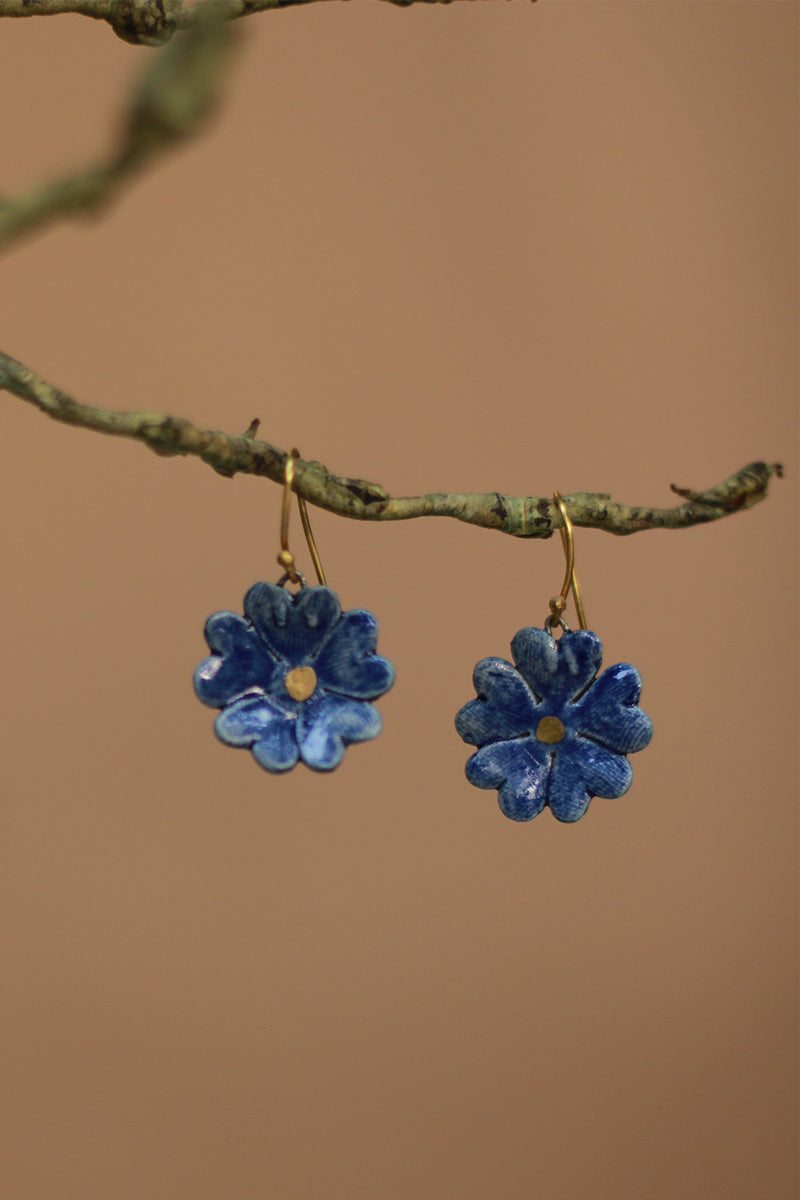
pixel 519 769
pixel 567 793
pixel 607 774
pixel 249 719
pixel 255 721
pixel 277 750
pixel 505 706
pixel 608 711
pixel 294 626
pixel 585 769
pixel 557 670
pixel 347 662
pixel 327 723
pixel 240 662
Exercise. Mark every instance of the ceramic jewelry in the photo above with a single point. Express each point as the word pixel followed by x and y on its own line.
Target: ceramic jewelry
pixel 295 675
pixel 549 729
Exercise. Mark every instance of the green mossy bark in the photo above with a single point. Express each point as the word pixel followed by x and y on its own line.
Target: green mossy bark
pixel 520 516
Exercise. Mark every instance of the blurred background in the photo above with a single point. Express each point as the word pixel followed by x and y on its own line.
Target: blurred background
pixel 449 248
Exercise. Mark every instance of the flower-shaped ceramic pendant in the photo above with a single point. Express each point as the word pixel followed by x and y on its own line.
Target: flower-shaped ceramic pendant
pixel 294 676
pixel 550 731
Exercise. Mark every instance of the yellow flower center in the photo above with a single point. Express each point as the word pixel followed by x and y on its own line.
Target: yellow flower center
pixel 550 729
pixel 301 682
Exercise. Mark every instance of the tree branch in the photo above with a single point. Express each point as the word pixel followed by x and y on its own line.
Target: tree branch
pixel 520 516
pixel 152 22
pixel 170 102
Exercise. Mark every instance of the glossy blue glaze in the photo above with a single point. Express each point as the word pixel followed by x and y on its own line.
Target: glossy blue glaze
pixel 251 657
pixel 599 714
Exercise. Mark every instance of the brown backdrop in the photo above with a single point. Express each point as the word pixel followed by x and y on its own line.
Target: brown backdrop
pixel 449 248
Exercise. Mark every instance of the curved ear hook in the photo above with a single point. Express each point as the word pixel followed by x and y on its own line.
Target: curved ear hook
pixel 559 603
pixel 306 523
pixel 286 559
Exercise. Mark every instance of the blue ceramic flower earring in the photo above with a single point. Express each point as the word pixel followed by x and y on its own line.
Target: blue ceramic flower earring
pixel 549 731
pixel 295 675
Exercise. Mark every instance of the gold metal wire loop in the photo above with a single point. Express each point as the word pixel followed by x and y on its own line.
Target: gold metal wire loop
pixel 286 559
pixel 559 603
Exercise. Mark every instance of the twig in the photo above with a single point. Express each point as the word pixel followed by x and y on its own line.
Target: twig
pixel 521 516
pixel 170 102
pixel 152 22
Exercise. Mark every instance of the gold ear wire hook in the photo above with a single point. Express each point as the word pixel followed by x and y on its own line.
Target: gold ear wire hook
pixel 286 558
pixel 559 603
pixel 312 545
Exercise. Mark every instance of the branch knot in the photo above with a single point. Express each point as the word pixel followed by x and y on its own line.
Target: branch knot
pixel 144 22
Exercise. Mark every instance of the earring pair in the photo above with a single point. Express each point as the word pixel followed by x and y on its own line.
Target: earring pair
pixel 295 677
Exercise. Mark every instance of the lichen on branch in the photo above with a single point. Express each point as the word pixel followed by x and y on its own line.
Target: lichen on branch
pixel 520 516
pixel 152 22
